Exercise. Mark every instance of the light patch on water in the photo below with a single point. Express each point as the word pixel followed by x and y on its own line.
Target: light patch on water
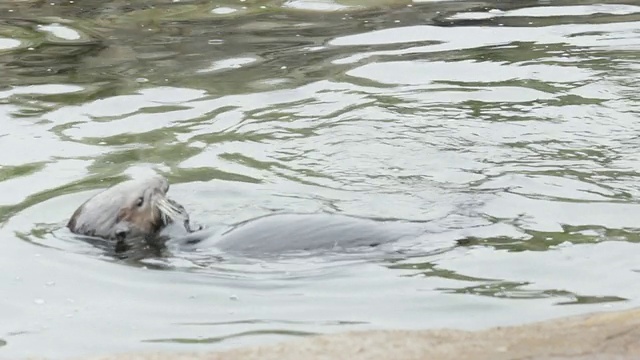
pixel 8 44
pixel 15 190
pixel 600 90
pixel 142 170
pixel 547 11
pixel 549 186
pixel 434 94
pixel 578 268
pixel 269 84
pixel 431 1
pixel 227 64
pixel 45 89
pixel 212 157
pixel 61 31
pixel 458 38
pixel 124 104
pixel 475 16
pixel 422 72
pixel 223 10
pixel 315 48
pixel 171 95
pixel 316 5
pixel 476 35
pixel 550 216
pixel 133 124
pixel 15 134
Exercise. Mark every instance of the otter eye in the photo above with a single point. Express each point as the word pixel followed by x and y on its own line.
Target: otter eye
pixel 140 201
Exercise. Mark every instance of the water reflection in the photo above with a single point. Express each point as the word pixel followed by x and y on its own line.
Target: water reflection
pixel 511 126
pixel 223 338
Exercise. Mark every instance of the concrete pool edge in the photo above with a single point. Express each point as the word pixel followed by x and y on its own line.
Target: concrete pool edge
pixel 601 335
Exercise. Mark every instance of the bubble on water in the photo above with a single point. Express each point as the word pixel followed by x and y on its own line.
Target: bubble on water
pixel 233 63
pixel 142 80
pixel 198 144
pixel 223 10
pixel 60 31
pixel 50 283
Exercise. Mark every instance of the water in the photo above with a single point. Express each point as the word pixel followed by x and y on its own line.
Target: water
pixel 513 125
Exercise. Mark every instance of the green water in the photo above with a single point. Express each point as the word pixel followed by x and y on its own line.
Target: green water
pixel 512 124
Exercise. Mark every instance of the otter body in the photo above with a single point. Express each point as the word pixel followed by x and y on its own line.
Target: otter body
pixel 291 233
pixel 140 209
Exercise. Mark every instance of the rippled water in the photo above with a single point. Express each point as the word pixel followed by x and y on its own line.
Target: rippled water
pixel 512 125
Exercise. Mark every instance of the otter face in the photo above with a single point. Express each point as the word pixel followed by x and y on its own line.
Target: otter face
pixel 140 215
pixel 133 208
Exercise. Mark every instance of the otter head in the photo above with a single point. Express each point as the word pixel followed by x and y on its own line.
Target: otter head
pixel 133 208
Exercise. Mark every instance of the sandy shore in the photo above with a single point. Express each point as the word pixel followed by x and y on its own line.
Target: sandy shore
pixel 608 335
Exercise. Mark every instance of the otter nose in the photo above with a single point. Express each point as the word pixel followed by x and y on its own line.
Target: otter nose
pixel 121 234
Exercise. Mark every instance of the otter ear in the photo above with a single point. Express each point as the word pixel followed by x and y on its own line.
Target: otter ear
pixel 73 221
pixel 72 224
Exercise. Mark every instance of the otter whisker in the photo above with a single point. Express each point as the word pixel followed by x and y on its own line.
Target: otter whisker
pixel 168 210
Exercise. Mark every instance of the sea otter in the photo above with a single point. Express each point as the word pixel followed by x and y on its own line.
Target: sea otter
pixel 140 209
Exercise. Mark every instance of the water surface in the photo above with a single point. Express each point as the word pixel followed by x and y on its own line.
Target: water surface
pixel 510 124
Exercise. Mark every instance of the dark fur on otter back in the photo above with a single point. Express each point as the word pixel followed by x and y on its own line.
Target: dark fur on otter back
pixel 127 209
